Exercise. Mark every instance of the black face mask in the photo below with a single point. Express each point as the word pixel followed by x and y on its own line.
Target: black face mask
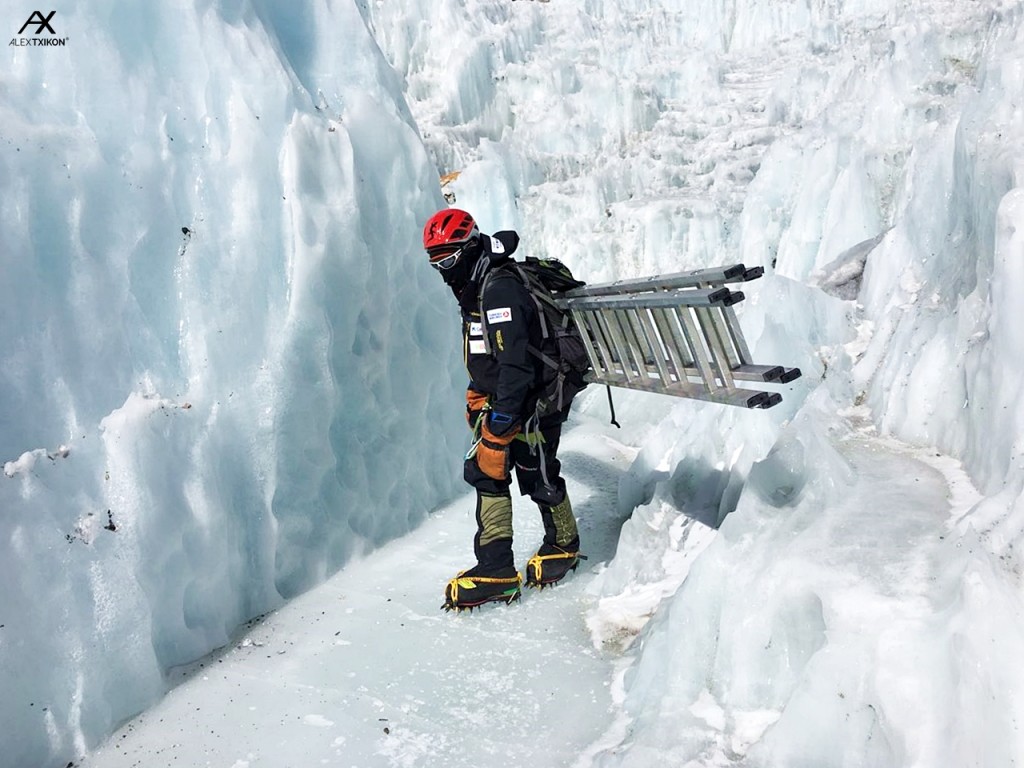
pixel 459 277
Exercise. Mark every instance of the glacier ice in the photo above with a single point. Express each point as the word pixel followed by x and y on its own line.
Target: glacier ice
pixel 209 217
pixel 195 263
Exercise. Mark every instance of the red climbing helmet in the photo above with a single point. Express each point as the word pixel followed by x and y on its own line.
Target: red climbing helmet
pixel 447 231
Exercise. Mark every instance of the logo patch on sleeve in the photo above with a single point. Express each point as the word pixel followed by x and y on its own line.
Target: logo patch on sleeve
pixel 475 329
pixel 496 245
pixel 500 315
pixel 477 347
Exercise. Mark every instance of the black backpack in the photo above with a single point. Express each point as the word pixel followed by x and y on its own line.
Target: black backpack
pixel 562 350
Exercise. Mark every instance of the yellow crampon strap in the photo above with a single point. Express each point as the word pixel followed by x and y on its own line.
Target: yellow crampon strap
pixel 538 565
pixel 470 582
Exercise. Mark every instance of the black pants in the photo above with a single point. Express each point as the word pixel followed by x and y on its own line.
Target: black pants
pixel 493 541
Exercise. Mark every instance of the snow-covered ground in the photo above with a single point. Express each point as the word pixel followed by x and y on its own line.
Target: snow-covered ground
pixel 833 582
pixel 367 670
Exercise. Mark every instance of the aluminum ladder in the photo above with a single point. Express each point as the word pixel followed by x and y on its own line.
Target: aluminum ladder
pixel 675 334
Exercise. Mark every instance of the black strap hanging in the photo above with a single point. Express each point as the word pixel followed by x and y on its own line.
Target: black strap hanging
pixel 611 406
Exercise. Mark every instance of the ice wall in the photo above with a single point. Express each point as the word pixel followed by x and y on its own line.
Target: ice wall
pixel 891 216
pixel 953 314
pixel 224 372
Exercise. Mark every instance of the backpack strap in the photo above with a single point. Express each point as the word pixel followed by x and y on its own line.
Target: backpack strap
pixel 548 361
pixel 536 294
pixel 490 275
pixel 483 315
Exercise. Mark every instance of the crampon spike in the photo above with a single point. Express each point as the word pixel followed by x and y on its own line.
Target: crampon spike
pixel 473 591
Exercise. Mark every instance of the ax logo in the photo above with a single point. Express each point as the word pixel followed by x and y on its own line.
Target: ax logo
pixel 42 22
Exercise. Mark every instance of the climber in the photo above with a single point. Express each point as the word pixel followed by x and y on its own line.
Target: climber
pixel 502 335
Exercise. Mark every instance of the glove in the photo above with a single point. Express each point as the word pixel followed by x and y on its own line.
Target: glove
pixel 475 403
pixel 492 453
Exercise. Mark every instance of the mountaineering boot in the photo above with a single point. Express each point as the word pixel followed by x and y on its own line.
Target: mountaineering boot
pixel 559 553
pixel 551 564
pixel 494 578
pixel 477 586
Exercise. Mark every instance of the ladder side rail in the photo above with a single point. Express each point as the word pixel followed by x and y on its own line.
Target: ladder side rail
pixel 733 273
pixel 693 297
pixel 745 398
pixel 752 273
pixel 753 372
pixel 757 374
pixel 633 287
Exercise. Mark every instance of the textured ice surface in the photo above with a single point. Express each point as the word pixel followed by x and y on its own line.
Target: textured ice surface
pixel 199 422
pixel 215 343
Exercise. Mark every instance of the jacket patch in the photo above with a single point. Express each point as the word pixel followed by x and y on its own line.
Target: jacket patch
pixel 500 315
pixel 476 347
pixel 500 341
pixel 476 329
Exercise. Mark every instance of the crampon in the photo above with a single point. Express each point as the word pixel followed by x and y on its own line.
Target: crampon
pixel 467 591
pixel 550 565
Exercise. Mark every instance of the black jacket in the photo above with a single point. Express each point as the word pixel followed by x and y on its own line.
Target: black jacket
pixel 504 369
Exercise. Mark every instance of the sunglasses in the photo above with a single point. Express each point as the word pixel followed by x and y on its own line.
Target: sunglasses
pixel 448 261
